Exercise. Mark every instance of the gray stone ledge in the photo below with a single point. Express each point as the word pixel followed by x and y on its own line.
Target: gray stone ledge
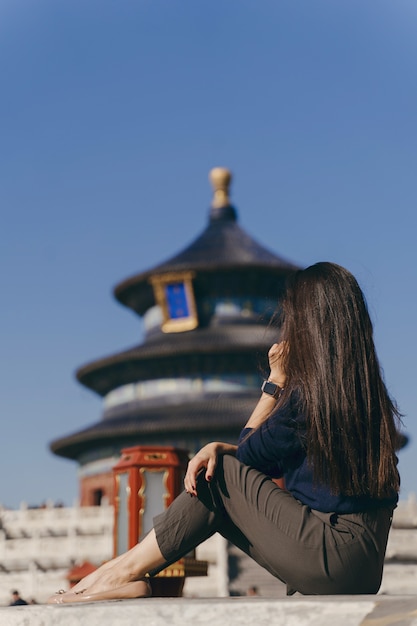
pixel 292 611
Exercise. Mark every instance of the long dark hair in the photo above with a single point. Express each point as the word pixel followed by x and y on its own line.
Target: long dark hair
pixel 331 364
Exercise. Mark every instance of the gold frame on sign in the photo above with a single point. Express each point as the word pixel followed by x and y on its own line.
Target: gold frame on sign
pixel 159 284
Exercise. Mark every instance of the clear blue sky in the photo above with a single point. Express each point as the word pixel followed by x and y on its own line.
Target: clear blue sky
pixel 113 112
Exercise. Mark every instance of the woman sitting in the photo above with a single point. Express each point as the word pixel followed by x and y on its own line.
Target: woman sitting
pixel 325 423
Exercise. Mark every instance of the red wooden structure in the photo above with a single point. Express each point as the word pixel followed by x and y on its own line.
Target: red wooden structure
pixel 146 481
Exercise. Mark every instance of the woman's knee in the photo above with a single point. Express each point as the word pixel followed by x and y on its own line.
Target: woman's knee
pixel 228 470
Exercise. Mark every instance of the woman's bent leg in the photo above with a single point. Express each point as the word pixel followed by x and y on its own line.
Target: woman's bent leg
pixel 243 505
pixel 296 545
pixel 313 553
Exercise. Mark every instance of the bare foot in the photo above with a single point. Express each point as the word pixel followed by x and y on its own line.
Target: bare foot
pixel 135 589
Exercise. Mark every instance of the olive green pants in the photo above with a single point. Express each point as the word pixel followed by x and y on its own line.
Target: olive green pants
pixel 312 552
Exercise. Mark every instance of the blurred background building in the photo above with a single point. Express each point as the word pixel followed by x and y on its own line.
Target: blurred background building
pixel 196 376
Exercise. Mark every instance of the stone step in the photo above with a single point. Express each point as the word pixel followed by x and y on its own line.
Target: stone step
pixel 235 611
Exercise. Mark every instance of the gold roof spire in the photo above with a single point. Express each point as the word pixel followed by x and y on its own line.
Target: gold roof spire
pixel 220 178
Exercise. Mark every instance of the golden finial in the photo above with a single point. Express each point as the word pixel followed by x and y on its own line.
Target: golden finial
pixel 220 178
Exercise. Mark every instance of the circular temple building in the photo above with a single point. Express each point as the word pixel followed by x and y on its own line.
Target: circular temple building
pixel 196 376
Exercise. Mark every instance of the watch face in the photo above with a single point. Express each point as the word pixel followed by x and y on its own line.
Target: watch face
pixel 270 388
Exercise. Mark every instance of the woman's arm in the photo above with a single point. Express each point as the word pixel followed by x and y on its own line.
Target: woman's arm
pixel 277 375
pixel 207 456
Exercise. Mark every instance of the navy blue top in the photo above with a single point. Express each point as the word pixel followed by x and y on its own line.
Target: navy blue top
pixel 277 450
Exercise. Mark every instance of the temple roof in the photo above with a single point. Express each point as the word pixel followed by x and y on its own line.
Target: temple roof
pixel 222 246
pixel 215 350
pixel 226 265
pixel 200 416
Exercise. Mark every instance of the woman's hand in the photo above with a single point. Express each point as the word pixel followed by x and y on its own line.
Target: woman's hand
pixel 275 355
pixel 205 458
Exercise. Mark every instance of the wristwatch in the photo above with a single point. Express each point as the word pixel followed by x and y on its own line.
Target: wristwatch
pixel 271 388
